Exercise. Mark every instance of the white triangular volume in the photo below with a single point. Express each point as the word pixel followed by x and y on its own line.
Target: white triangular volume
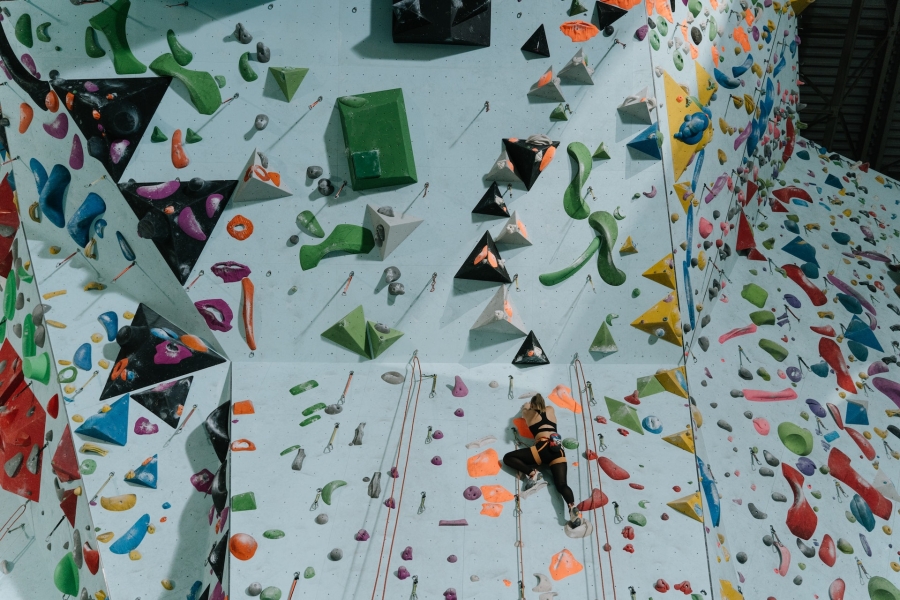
pixel 500 316
pixel 549 90
pixel 256 182
pixel 390 231
pixel 502 170
pixel 885 486
pixel 513 233
pixel 638 107
pixel 577 70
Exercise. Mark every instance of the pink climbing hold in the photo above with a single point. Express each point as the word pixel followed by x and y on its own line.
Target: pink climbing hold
pixel 362 535
pixel 836 589
pixel 436 461
pixel 402 573
pixel 394 473
pixel 613 470
pixel 684 587
pixel 452 558
pixel 438 434
pixel 459 412
pixel 729 335
pixel 761 425
pixel 706 228
pixel 459 388
pixel 450 594
pixel 143 426
pixel 390 503
pixel 407 553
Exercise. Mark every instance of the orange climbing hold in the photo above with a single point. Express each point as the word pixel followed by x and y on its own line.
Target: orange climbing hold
pixel 484 464
pixel 563 564
pixel 562 397
pixel 194 343
pixel 740 36
pixel 243 407
pixel 491 510
pixel 240 228
pixel 247 314
pixel 51 101
pixel 242 546
pixel 549 153
pixel 243 445
pixel 578 31
pixel 522 427
pixel 179 158
pixel 496 493
pixel 662 9
pixel 26 115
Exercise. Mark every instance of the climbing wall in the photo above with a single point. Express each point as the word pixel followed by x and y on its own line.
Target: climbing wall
pixel 303 265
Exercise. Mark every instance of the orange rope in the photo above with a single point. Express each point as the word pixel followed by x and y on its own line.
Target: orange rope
pixel 519 543
pixel 415 365
pixel 587 415
pixel 16 515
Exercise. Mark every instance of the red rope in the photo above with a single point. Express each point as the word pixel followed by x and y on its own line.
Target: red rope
pixel 16 515
pixel 519 536
pixel 586 410
pixel 415 364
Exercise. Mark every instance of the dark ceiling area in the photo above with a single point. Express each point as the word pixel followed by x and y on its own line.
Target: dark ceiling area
pixel 850 70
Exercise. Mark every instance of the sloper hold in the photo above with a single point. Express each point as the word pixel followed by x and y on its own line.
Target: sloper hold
pixel 690 506
pixel 662 316
pixel 166 400
pixel 288 79
pixel 377 341
pixel 111 23
pixel 624 415
pixel 663 272
pixel 530 156
pixel 350 332
pixel 531 353
pixel 500 316
pixel 603 342
pixel 646 142
pixel 484 263
pixel 257 182
pixel 146 474
pixel 393 230
pixel 132 538
pixel 110 426
pixel 537 43
pixel 492 203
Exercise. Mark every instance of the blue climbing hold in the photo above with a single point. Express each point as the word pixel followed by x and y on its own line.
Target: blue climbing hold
pixel 110 426
pixel 99 226
pixel 652 424
pixel 801 249
pixel 132 538
pixel 145 474
pixel 646 142
pixel 125 247
pixel 39 173
pixel 840 237
pixel 858 351
pixel 53 195
pixel 739 70
pixel 862 512
pixel 82 358
pixel 810 270
pixel 862 333
pixel 79 226
pixel 834 182
pixel 857 413
pixel 110 322
pixel 850 303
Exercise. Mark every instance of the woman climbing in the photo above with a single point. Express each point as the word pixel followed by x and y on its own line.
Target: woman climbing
pixel 547 451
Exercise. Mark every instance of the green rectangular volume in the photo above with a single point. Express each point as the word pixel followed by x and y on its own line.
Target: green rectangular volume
pixel 376 136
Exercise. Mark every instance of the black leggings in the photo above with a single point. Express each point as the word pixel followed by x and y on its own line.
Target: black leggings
pixel 523 461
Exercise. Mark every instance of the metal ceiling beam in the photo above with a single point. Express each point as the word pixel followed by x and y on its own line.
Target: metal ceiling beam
pixel 837 98
pixel 879 114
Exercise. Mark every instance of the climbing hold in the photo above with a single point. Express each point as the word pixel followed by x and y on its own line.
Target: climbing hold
pixel 796 439
pixel 111 23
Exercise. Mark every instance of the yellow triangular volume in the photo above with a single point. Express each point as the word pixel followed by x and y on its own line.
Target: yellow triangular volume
pixel 706 85
pixel 672 379
pixel 727 591
pixel 677 110
pixel 663 272
pixel 685 195
pixel 628 247
pixel 683 439
pixel 662 316
pixel 689 506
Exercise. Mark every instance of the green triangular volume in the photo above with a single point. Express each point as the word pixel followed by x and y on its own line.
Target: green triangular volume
pixel 624 415
pixel 350 332
pixel 603 342
pixel 601 153
pixel 288 79
pixel 158 136
pixel 192 137
pixel 559 113
pixel 378 341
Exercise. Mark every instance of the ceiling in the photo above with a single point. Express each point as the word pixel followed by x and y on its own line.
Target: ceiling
pixel 850 70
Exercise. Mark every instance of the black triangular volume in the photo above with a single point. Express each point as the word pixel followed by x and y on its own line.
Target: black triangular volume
pixel 526 158
pixel 125 107
pixel 32 85
pixel 166 400
pixel 492 203
pixel 531 353
pixel 607 14
pixel 217 428
pixel 407 16
pixel 478 265
pixel 205 594
pixel 151 351
pixel 219 554
pixel 469 9
pixel 537 43
pixel 180 234
pixel 219 488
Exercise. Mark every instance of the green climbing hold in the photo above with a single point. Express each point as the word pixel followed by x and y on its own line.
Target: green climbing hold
pixel 654 40
pixel 65 576
pixel 87 466
pixel 288 79
pixel 695 6
pixel 91 45
pixel 23 30
pixel 273 534
pixel 349 332
pixel 775 350
pixel 795 438
pixel 307 222
pixel 601 153
pixel 353 101
pixel 289 449
pixel 310 420
pixel 378 341
pixel 763 374
pixel 573 202
pixel 9 297
pixel 304 387
pixel 311 409
pixel 635 292
pixel 624 415
pixel 111 23
pixel 713 28
pixel 576 8
pixel 570 443
pixel 555 277
pixel 158 136
pixel 24 275
pixel 270 593
pixel 605 225
pixel 201 86
pixel 41 32
pixel 192 137
pixel 220 81
pixel 242 502
pixel 755 295
pixel 844 546
pixel 352 239
pixel 881 589
pixel 662 25
pixel 182 55
pixel 769 243
pixel 603 342
pixel 309 573
pixel 762 317
pixel 637 519
pixel 245 69
pixel 559 113
pixel 329 488
pixel 28 346
pixel 816 494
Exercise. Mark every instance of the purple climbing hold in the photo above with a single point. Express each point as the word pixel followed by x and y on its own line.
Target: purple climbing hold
pixel 394 473
pixel 390 503
pixel 459 388
pixel 407 553
pixel 450 594
pixel 402 573
pixel 816 408
pixel 794 374
pixel 806 466
pixel 459 413
pixel 792 300
pixel 436 461
pixel 641 33
pixel 438 434
pixel 473 492
pixel 451 558
pixel 362 535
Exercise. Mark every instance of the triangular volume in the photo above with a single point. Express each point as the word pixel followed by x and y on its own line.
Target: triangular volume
pixel 110 426
pixel 65 461
pixel 662 320
pixel 33 86
pixel 547 87
pixel 607 14
pixel 145 475
pixel 746 244
pixel 179 217
pixel 628 247
pixel 531 353
pixel 577 70
pixel 685 194
pixel 637 107
pixel 624 415
pixel 288 79
pixel 861 333
pixel 380 337
pixel 218 555
pixel 484 263
pixel 492 203
pixel 530 156
pixel 646 142
pixel 649 385
pixel 801 249
pixel 683 439
pixel 112 114
pixel 153 350
pixel 390 230
pixel 257 182
pixel 514 232
pixel 500 316
pixel 166 400
pixel 857 412
pixel 537 43
pixel 690 506
pixel 603 342
pixel 673 381
pixel 663 272
pixel 217 429
pixel 350 332
pixel 69 505
pixel 9 221
pixel 601 153
pixel 11 375
pixel 22 425
pixel 503 170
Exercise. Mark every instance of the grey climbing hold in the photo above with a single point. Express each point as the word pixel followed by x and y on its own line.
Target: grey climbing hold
pixel 393 377
pixel 767 540
pixel 396 289
pixel 325 187
pixel 336 554
pixel 313 172
pixel 391 274
pixel 807 551
pixel 13 465
pixel 322 519
pixel 748 414
pixel 242 35
pixel 474 578
pixel 770 459
pixel 298 460
pixel 294 240
pixel 544 585
pixel 375 485
pixel 263 159
pixel 705 321
pixel 737 394
pixel 494 384
pixel 263 54
pixel 741 557
pixel 779 497
pixel 704 343
pixel 358 435
pixel 382 328
pixel 386 211
pixel 798 580
pixel 254 589
pixel 723 424
pixel 757 514
pixel 333 409
pixel 261 122
pixel 766 472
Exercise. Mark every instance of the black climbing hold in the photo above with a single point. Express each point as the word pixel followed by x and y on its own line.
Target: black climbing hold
pixel 492 203
pixel 527 158
pixel 484 263
pixel 607 14
pixel 537 43
pixel 166 400
pixel 531 353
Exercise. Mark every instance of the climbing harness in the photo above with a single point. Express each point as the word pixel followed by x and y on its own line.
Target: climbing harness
pixel 181 427
pixel 428 438
pixel 315 503
pixel 422 504
pixel 330 445
pixel 346 387
pixel 509 394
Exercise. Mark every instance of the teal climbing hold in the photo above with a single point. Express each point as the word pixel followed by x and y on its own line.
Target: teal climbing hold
pixel 110 426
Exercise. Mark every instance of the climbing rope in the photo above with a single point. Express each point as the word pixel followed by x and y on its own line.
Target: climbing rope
pixel 518 514
pixel 587 415
pixel 416 365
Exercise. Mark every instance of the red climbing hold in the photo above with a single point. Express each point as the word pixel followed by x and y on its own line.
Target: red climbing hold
pixel 661 586
pixel 598 499
pixel 613 470
pixel 816 296
pixel 839 465
pixel 591 455
pixel 824 330
pixel 801 518
pixel 628 548
pixel 786 194
pixel 684 587
pixel 836 589
pixel 864 445
pixel 636 486
pixel 828 551
pixel 737 332
pixel 628 533
pixel 835 414
pixel 831 354
pixel 633 398
pixel 778 207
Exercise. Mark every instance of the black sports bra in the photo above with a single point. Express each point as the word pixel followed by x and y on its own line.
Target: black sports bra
pixel 536 427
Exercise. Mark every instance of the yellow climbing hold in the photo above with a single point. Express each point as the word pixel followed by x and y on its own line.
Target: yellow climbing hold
pixel 683 439
pixel 96 338
pixel 49 295
pixel 104 364
pixel 663 272
pixel 167 584
pixel 56 324
pixel 663 317
pixel 670 380
pixel 78 418
pixel 128 315
pixel 727 591
pixel 701 260
pixel 134 555
pixel 69 389
pixel 690 506
pixel 64 362
pixel 684 193
pixel 54 250
pixel 628 247
pixel 105 538
pixel 118 503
